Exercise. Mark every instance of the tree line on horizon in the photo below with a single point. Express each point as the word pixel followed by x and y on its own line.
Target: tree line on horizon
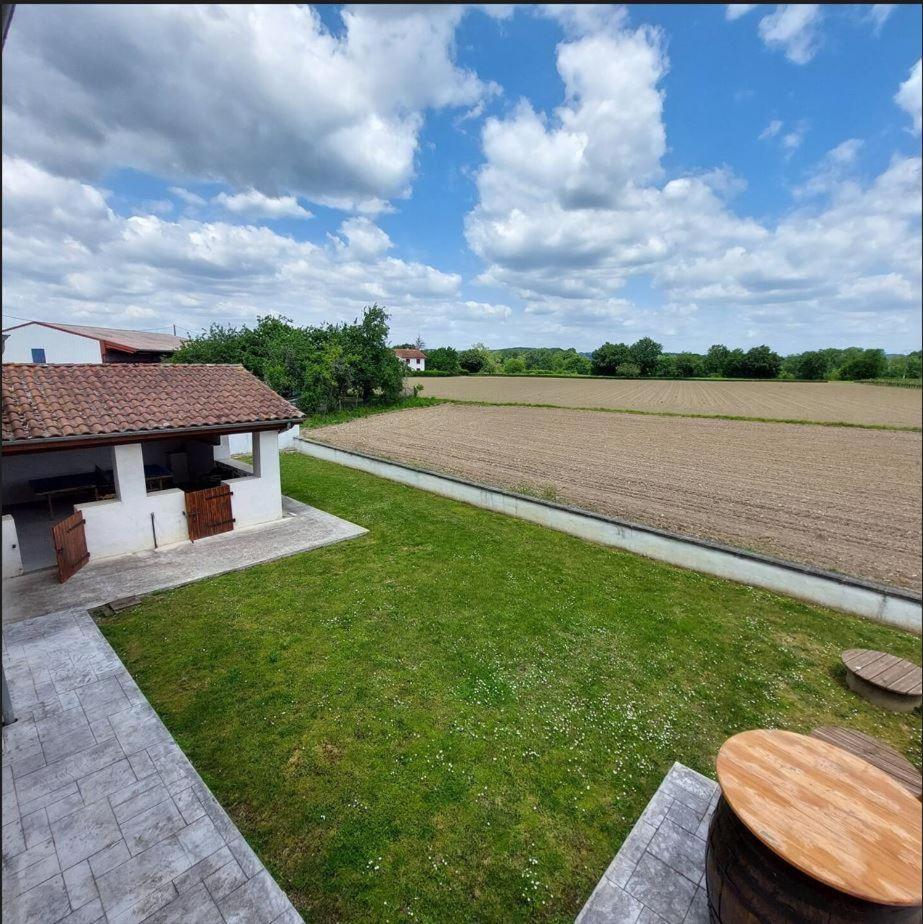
pixel 646 359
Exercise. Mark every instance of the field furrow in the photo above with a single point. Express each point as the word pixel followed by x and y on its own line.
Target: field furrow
pixel 846 402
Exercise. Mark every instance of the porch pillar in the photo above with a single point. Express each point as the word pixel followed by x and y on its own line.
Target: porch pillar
pixel 223 449
pixel 266 468
pixel 128 470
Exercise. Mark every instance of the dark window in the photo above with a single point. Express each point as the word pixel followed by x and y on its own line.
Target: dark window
pixel 38 355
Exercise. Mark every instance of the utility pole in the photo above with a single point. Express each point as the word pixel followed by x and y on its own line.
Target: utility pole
pixel 174 330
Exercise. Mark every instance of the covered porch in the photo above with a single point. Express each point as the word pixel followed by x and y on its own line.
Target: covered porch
pixel 107 461
pixel 133 496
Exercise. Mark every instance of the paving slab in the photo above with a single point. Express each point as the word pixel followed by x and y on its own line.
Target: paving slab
pixel 118 831
pixel 38 593
pixel 658 873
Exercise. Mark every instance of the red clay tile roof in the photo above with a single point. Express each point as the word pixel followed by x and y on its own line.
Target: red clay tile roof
pixel 410 354
pixel 131 341
pixel 60 400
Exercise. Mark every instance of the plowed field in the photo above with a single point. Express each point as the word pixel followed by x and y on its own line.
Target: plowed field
pixel 838 498
pixel 825 401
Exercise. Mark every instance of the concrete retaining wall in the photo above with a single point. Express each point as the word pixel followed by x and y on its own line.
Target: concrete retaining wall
pixel 888 605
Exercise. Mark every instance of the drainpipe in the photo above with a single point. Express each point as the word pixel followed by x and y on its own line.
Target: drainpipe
pixel 8 717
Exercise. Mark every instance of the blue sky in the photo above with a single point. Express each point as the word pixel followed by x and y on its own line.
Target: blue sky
pixel 511 175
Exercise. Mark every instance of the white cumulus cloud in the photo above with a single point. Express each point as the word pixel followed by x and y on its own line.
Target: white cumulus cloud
pixel 910 96
pixel 574 213
pixel 254 96
pixel 253 203
pixel 794 28
pixel 736 10
pixel 68 255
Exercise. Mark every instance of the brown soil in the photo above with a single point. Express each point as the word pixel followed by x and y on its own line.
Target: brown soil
pixel 848 402
pixel 843 499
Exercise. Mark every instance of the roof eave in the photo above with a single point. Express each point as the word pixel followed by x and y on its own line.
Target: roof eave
pixel 63 442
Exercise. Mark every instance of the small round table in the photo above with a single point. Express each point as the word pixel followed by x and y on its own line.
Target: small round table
pixel 805 831
pixel 884 679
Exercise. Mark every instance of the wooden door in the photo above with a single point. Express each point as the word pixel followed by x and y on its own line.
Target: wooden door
pixel 208 512
pixel 70 545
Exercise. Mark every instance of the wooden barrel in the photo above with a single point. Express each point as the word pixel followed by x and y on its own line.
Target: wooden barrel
pixel 747 883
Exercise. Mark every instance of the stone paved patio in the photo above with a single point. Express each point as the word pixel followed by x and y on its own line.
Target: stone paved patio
pixel 658 875
pixel 100 582
pixel 104 818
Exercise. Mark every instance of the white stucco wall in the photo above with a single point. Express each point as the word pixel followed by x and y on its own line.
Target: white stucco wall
pixel 117 527
pixel 259 499
pixel 12 559
pixel 60 346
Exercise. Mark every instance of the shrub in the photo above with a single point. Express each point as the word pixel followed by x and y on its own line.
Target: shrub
pixel 628 370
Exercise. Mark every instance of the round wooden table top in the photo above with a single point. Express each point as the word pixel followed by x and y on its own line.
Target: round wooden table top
pixel 885 670
pixel 830 814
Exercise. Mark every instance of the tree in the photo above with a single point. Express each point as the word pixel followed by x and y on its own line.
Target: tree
pixel 443 359
pixel 716 359
pixel 914 364
pixel 628 370
pixel 904 367
pixel 734 364
pixel 812 365
pixel 645 353
pixel 313 366
pixel 374 365
pixel 514 365
pixel 576 364
pixel 471 360
pixel 488 359
pixel 761 362
pixel 689 365
pixel 666 366
pixel 868 364
pixel 608 357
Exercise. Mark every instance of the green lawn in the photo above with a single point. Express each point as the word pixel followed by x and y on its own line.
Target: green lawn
pixel 459 716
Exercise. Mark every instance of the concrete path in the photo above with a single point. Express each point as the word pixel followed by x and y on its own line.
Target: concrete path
pixel 301 529
pixel 104 818
pixel 658 875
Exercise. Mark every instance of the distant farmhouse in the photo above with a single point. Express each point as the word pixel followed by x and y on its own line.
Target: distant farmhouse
pixel 416 359
pixel 46 342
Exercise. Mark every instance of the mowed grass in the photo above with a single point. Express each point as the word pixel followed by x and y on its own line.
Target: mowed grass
pixel 459 716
